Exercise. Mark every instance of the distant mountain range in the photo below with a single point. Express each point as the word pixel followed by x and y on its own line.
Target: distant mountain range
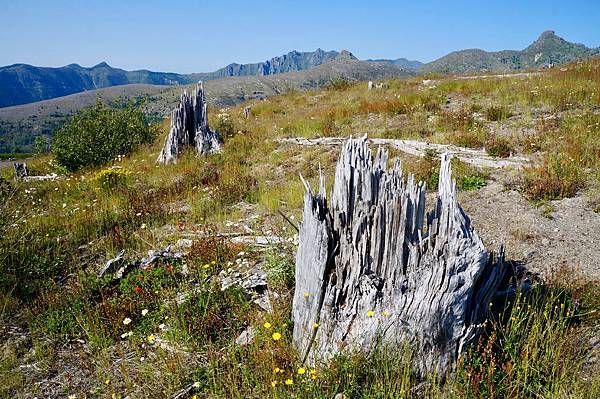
pixel 401 62
pixel 23 84
pixel 20 124
pixel 548 49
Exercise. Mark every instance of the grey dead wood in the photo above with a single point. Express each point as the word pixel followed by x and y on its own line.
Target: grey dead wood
pixel 21 170
pixel 189 127
pixel 372 268
pixel 476 157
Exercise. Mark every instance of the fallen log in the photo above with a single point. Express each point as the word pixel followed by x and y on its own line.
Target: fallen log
pixel 189 127
pixel 370 268
pixel 476 157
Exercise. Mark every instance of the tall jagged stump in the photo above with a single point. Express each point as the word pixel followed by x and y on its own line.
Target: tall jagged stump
pixel 189 127
pixel 369 272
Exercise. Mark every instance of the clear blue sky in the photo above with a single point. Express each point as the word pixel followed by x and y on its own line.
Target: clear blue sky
pixel 198 36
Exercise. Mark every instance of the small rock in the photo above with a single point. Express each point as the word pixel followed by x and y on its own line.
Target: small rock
pixel 246 337
pixel 112 264
pixel 264 303
pixel 184 243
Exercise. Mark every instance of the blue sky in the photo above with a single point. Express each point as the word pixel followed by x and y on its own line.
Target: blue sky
pixel 197 36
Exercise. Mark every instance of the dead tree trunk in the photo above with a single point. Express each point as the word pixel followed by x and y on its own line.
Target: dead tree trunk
pixel 370 268
pixel 476 157
pixel 21 171
pixel 189 126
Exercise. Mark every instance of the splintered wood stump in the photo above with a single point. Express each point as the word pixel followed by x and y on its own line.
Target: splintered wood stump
pixel 189 126
pixel 372 269
pixel 21 171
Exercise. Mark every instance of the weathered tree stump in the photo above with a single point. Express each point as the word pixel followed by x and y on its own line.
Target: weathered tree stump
pixel 247 112
pixel 371 269
pixel 189 126
pixel 21 170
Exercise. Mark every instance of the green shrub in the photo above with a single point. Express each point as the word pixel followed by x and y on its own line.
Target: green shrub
pixel 338 83
pixel 472 182
pixel 40 145
pixel 112 178
pixel 557 177
pixel 224 125
pixel 497 113
pixel 498 146
pixel 97 135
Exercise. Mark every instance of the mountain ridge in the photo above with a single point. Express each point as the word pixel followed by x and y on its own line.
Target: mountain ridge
pixel 20 124
pixel 23 83
pixel 401 62
pixel 547 50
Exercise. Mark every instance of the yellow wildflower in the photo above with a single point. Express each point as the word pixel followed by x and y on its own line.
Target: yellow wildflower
pixel 306 295
pixel 151 338
pixel 315 325
pixel 301 370
pixel 276 336
pixel 386 313
pixel 289 381
pixel 107 381
pixel 370 313
pixel 267 325
pixel 273 383
pixel 276 370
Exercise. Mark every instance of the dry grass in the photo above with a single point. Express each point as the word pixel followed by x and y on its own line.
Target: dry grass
pixel 56 234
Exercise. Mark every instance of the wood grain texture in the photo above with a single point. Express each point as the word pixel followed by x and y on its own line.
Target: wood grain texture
pixel 476 157
pixel 373 268
pixel 189 127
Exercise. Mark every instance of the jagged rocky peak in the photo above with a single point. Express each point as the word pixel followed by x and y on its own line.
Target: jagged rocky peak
pixel 103 64
pixel 346 55
pixel 547 37
pixel 189 127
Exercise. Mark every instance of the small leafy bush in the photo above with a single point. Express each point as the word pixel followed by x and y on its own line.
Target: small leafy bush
pixel 338 83
pixel 224 125
pixel 472 182
pixel 555 178
pixel 497 113
pixel 99 134
pixel 471 139
pixel 112 178
pixel 498 146
pixel 462 121
pixel 427 169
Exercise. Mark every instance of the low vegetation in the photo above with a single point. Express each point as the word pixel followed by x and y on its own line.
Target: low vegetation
pixel 97 135
pixel 132 337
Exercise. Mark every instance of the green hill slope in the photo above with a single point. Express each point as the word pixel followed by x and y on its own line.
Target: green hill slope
pixel 546 50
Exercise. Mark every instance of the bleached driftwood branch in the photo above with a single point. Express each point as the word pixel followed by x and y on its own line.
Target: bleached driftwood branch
pixel 476 157
pixel 370 268
pixel 189 126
